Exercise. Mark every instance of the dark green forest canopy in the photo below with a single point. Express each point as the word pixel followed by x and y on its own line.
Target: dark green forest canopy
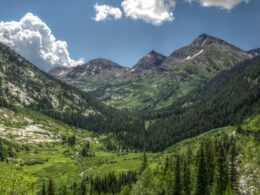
pixel 227 99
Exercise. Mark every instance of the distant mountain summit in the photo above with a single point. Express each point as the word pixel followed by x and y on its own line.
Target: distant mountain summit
pixel 206 50
pixel 151 61
pixel 254 52
pixel 99 66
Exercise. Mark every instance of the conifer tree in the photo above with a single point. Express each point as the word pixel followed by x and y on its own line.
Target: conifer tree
pixel 209 161
pixel 51 190
pixel 201 187
pixel 167 164
pixel 43 192
pixel 144 163
pixel 177 186
pixel 233 169
pixel 74 188
pixel 91 187
pixel 85 150
pixel 83 187
pixel 186 179
pixel 222 171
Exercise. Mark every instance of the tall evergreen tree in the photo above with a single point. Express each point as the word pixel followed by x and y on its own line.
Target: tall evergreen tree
pixel 209 161
pixel 91 187
pixel 43 191
pixel 74 188
pixel 166 166
pixel 201 187
pixel 233 169
pixel 222 170
pixel 51 190
pixel 83 187
pixel 144 163
pixel 186 178
pixel 177 185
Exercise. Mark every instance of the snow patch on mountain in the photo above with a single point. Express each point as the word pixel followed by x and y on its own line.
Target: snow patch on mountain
pixel 195 55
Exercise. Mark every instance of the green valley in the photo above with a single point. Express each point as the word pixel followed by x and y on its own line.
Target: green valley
pixel 191 127
pixel 41 150
pixel 35 161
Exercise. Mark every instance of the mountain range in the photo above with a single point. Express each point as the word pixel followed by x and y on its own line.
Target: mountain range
pixel 156 81
pixel 191 125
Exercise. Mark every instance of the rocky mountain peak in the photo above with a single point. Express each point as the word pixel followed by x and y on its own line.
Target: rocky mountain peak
pixel 196 52
pixel 96 67
pixel 151 61
pixel 205 40
pixel 104 63
pixel 153 52
pixel 254 52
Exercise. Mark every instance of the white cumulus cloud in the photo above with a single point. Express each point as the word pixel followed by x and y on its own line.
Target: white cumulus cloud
pixel 155 12
pixel 104 12
pixel 223 4
pixel 33 39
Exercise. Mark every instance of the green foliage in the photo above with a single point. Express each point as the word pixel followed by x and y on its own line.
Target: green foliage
pixel 145 184
pixel 43 191
pixel 85 150
pixel 8 149
pixel 178 184
pixel 111 183
pixel 51 189
pixel 17 183
pixel 77 161
pixel 144 163
pixel 226 100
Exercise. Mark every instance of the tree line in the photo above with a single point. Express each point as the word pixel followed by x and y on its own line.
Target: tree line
pixel 108 184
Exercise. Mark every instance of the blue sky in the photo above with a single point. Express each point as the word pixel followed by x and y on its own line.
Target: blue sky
pixel 126 40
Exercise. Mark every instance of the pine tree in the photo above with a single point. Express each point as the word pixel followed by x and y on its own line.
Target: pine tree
pixel 43 192
pixel 222 171
pixel 91 187
pixel 166 166
pixel 144 163
pixel 201 187
pixel 186 179
pixel 74 188
pixel 209 161
pixel 177 185
pixel 72 140
pixel 233 169
pixel 85 150
pixel 2 152
pixel 83 187
pixel 51 190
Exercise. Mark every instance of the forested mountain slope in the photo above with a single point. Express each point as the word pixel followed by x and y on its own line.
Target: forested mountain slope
pixel 225 100
pixel 221 161
pixel 24 84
